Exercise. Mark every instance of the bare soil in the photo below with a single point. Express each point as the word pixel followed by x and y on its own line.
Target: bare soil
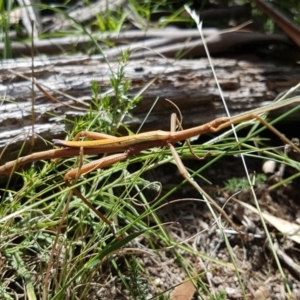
pixel 191 224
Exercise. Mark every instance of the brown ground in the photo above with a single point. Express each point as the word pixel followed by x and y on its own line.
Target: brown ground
pixel 192 224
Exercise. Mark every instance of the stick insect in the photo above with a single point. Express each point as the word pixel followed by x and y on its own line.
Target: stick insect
pixel 122 148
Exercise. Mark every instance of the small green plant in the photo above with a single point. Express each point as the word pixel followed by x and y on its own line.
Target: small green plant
pixel 137 284
pixel 235 184
pixel 219 296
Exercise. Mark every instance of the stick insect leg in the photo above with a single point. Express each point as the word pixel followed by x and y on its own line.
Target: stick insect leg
pixel 183 171
pixel 278 133
pixel 174 122
pixel 84 169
